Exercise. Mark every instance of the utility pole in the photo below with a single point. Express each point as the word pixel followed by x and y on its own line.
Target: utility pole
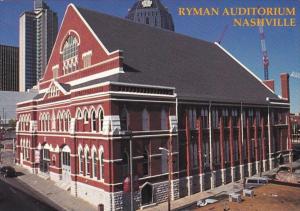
pixel 169 173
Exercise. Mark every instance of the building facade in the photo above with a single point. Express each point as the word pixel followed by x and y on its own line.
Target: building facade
pixel 295 122
pixel 38 30
pixel 151 12
pixel 9 68
pixel 111 82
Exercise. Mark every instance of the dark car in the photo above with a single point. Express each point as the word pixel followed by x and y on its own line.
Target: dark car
pixel 8 171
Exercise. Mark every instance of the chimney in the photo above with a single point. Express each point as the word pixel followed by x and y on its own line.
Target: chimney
pixel 270 84
pixel 285 86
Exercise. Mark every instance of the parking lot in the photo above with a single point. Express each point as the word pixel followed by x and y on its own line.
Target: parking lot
pixel 268 197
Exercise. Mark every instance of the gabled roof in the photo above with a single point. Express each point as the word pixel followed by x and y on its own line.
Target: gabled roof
pixel 64 88
pixel 197 69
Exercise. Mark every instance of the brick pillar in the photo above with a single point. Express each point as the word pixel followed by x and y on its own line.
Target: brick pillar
pixel 188 139
pixel 248 147
pixel 222 148
pixel 241 159
pixel 231 149
pixel 200 153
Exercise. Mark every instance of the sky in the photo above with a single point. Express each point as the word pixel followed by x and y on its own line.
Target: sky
pixel 283 43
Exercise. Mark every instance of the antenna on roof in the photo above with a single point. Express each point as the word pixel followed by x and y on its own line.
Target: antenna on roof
pixel 222 34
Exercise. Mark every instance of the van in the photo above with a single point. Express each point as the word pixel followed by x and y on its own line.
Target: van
pixel 254 182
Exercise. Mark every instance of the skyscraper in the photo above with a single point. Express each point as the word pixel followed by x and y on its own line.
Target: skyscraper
pixel 9 68
pixel 151 12
pixel 38 30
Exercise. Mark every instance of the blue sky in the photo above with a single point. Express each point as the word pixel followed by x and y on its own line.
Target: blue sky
pixel 283 43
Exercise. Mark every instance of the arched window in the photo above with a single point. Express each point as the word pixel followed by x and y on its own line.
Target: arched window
pixel 101 155
pixel 87 162
pixel 145 163
pixel 93 121
pixel 63 121
pixel 53 123
pixel 78 114
pixel 27 149
pixel 60 122
pixel 45 122
pixel 94 164
pixel 101 118
pixel 41 122
pixel 86 116
pixel 124 118
pixel 145 117
pixel 48 122
pixel 67 121
pixel 24 149
pixel 80 159
pixel 70 55
pixel 164 120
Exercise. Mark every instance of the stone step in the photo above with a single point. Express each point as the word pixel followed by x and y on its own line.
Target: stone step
pixel 63 185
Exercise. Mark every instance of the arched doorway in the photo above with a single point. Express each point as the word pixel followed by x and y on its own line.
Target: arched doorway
pixel 147 196
pixel 65 164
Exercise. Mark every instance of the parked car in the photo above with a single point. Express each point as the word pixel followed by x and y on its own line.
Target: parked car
pixel 8 171
pixel 254 182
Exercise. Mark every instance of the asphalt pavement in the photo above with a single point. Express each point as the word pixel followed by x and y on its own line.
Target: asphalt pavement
pixel 15 196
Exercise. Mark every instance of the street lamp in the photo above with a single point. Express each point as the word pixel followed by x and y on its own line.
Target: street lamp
pixel 169 176
pixel 131 170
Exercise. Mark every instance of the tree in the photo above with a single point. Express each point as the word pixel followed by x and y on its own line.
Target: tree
pixel 12 123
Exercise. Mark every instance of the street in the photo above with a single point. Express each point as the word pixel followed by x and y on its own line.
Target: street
pixel 16 197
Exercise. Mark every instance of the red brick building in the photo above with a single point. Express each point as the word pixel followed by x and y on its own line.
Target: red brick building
pixel 110 80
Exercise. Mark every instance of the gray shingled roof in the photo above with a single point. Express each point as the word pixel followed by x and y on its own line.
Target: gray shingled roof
pixel 196 68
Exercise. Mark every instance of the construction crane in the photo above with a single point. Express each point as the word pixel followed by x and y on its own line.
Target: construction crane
pixel 265 57
pixel 222 34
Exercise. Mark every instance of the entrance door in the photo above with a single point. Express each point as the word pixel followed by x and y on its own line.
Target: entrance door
pixel 147 194
pixel 44 160
pixel 66 167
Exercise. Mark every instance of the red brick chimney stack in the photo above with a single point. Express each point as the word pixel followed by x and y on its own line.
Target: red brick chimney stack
pixel 285 86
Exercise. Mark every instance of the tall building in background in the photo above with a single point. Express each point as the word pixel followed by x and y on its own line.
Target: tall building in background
pixel 38 30
pixel 151 12
pixel 9 68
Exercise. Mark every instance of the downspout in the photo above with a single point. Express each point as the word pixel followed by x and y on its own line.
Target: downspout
pixel 242 124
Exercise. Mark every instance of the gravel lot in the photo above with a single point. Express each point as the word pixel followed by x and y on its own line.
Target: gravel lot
pixel 270 197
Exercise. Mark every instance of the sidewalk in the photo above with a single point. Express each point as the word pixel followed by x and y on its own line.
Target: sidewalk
pixel 185 202
pixel 48 189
